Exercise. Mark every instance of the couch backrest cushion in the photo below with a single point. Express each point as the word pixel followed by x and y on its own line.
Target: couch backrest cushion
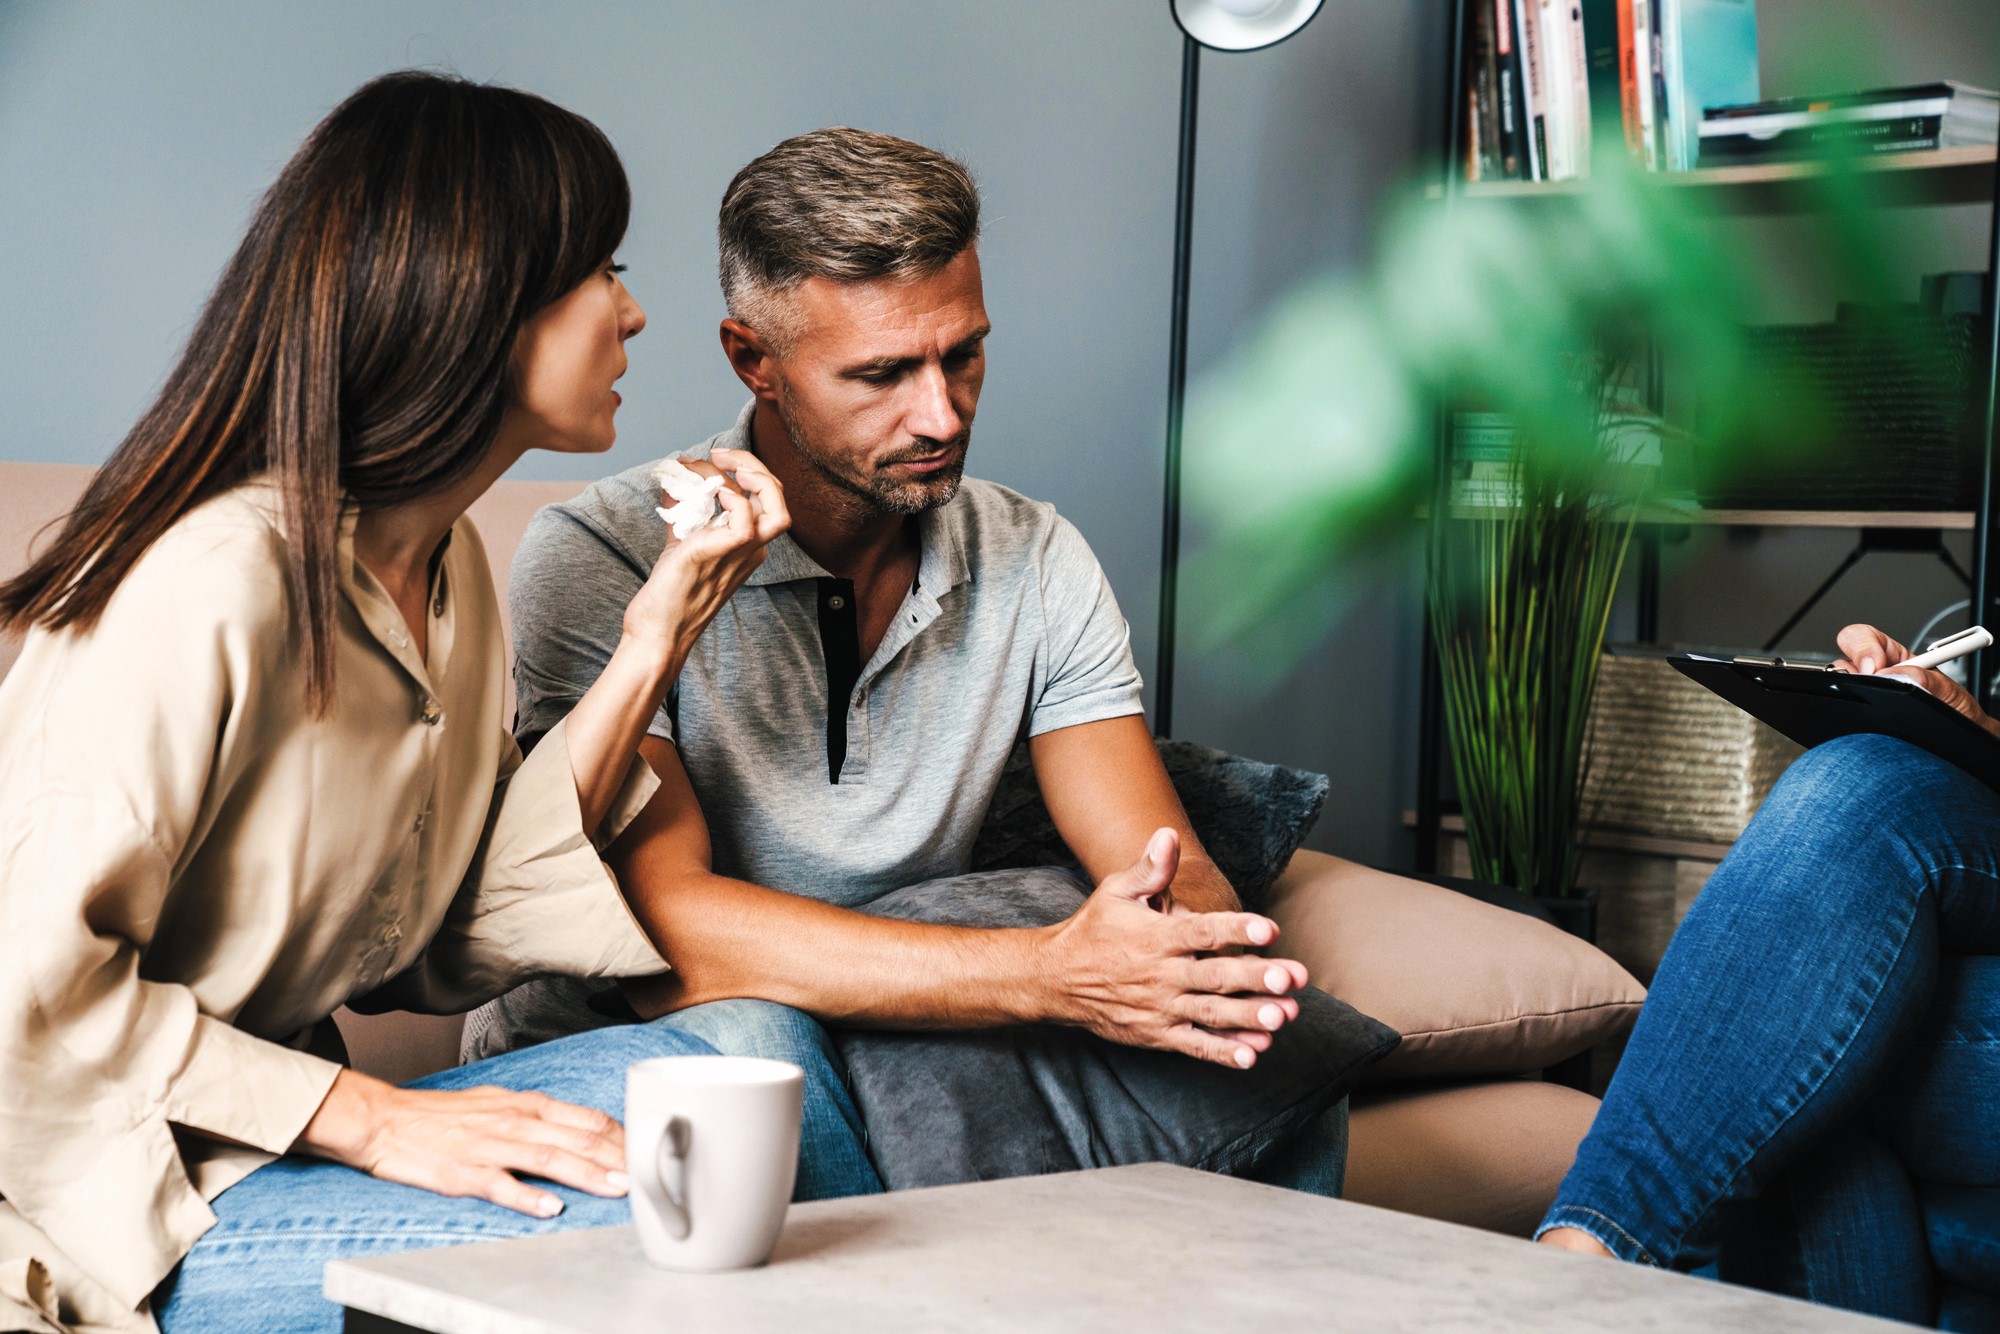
pixel 33 496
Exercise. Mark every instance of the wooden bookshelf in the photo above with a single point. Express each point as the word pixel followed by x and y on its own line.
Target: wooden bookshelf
pixel 1941 176
pixel 1670 516
pixel 1956 178
pixel 1953 520
pixel 1611 840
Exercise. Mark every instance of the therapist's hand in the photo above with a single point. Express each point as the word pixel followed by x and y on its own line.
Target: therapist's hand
pixel 1869 652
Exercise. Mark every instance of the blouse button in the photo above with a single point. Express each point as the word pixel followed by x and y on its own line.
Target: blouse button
pixel 433 713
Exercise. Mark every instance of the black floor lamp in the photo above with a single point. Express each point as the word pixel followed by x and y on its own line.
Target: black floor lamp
pixel 1222 25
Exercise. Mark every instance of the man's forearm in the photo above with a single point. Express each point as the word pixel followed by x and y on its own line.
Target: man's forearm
pixel 729 939
pixel 1200 886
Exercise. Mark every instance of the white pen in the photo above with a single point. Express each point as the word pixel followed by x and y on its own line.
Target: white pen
pixel 1952 646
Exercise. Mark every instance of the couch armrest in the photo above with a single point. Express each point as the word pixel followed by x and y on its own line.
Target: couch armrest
pixel 1475 990
pixel 1487 1155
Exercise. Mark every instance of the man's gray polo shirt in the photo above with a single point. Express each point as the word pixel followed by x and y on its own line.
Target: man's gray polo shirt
pixel 1011 631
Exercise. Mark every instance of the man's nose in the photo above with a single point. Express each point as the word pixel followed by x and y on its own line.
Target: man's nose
pixel 932 416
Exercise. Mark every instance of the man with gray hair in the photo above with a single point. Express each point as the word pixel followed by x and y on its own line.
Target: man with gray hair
pixel 840 729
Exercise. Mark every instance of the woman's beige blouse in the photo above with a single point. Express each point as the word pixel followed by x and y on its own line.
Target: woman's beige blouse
pixel 195 873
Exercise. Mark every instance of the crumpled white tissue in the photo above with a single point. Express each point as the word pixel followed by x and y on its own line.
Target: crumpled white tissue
pixel 696 505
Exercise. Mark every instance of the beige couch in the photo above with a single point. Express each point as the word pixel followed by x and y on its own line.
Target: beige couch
pixel 1481 994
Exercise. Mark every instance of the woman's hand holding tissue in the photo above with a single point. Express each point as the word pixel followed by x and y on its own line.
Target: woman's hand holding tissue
pixel 707 559
pixel 694 576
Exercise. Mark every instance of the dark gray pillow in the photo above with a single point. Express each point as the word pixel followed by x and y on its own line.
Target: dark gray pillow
pixel 979 1106
pixel 1250 816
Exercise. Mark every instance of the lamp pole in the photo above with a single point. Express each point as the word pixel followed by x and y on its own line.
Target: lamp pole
pixel 1225 25
pixel 1170 520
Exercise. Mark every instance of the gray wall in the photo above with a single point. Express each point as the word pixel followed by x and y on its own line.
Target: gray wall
pixel 135 139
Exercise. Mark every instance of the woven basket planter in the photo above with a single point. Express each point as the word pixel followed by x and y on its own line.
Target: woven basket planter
pixel 1670 759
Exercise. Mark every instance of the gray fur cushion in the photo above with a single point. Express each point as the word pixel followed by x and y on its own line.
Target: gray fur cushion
pixel 979 1106
pixel 1250 816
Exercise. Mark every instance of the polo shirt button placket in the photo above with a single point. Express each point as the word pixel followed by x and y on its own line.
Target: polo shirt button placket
pixel 857 735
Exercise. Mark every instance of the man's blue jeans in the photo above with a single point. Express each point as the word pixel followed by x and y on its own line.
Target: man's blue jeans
pixel 1746 1125
pixel 259 1268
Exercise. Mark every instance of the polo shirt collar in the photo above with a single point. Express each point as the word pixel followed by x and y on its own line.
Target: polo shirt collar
pixel 785 562
pixel 941 563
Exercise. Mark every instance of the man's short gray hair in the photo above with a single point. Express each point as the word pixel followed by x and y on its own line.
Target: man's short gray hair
pixel 844 204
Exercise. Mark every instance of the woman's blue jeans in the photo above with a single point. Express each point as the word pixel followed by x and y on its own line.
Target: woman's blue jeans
pixel 259 1269
pixel 1762 1114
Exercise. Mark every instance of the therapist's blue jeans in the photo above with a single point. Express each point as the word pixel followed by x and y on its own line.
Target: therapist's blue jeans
pixel 1749 1118
pixel 258 1270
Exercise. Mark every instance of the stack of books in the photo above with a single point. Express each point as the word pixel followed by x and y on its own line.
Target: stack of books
pixel 1485 446
pixel 1885 120
pixel 1547 79
pixel 1482 461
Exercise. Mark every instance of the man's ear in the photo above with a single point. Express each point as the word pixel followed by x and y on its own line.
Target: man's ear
pixel 750 358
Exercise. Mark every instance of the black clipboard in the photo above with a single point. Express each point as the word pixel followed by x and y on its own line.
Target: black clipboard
pixel 1812 705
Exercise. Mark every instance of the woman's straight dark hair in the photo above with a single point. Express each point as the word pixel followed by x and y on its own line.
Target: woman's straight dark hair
pixel 359 341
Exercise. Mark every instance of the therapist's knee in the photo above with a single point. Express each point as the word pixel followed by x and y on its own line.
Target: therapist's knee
pixel 755 1028
pixel 1858 778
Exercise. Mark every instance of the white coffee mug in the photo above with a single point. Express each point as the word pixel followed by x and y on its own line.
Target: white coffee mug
pixel 712 1147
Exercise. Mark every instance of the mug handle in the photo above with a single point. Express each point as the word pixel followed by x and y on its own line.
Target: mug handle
pixel 666 1186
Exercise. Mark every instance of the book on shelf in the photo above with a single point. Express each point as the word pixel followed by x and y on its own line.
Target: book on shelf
pixel 1605 36
pixel 1513 91
pixel 1482 461
pixel 1645 44
pixel 1628 76
pixel 1709 60
pixel 1552 39
pixel 1656 149
pixel 1569 72
pixel 1482 437
pixel 1550 80
pixel 1534 79
pixel 1484 146
pixel 1908 119
pixel 1484 449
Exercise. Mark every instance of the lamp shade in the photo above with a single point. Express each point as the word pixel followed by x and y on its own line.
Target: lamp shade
pixel 1242 25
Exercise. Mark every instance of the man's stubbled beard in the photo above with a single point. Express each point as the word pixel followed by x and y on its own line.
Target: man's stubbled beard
pixel 875 487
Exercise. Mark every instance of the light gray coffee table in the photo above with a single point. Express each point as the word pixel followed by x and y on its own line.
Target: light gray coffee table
pixel 1155 1249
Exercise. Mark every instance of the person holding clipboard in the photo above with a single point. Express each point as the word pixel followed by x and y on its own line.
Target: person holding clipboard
pixel 1761 1116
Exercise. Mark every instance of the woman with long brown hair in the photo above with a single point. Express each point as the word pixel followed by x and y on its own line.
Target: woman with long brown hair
pixel 252 759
